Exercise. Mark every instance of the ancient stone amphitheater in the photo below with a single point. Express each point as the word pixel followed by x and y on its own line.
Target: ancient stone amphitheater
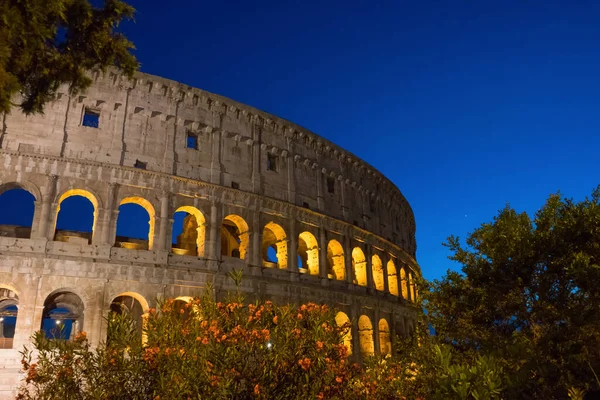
pixel 217 185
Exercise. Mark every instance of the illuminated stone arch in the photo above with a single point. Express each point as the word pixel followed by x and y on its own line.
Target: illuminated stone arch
pixel 63 315
pixel 135 304
pixel 359 266
pixel 74 234
pixel 17 208
pixel 192 239
pixel 274 238
pixel 392 277
pixel 234 237
pixel 365 336
pixel 147 206
pixel 404 283
pixel 378 278
pixel 336 260
pixel 9 309
pixel 385 342
pixel 308 252
pixel 342 320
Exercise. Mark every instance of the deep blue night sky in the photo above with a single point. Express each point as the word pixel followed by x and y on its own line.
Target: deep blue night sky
pixel 464 105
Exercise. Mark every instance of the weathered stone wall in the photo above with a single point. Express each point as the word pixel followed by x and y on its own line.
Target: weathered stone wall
pixel 315 187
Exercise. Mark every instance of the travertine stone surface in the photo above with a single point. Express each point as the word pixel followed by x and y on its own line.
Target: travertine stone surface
pixel 278 184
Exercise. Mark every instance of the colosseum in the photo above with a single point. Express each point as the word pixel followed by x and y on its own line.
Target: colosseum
pixel 148 188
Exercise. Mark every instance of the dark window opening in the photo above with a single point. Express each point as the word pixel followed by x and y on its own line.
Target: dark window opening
pixel 235 185
pixel 140 164
pixel 91 118
pixel 305 205
pixel 272 162
pixel 330 185
pixel 371 205
pixel 192 140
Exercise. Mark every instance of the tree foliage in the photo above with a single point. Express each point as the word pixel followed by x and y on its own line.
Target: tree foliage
pixel 529 295
pixel 47 43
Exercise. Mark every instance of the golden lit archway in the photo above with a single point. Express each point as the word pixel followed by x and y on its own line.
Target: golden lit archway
pixel 308 252
pixel 392 277
pixel 385 343
pixel 378 278
pixel 191 241
pixel 72 193
pixel 146 205
pixel 234 237
pixel 335 260
pixel 365 336
pixel 359 266
pixel 137 306
pixel 17 209
pixel 274 238
pixel 404 283
pixel 342 320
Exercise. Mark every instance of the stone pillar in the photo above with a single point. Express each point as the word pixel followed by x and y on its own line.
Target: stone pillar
pixel 214 238
pixel 291 171
pixel 323 254
pixel 2 327
pixel 348 258
pixel 345 212
pixel 215 164
pixel 293 249
pixel 320 201
pixel 45 212
pixel 163 229
pixel 256 152
pixel 376 338
pixel 369 260
pixel 255 258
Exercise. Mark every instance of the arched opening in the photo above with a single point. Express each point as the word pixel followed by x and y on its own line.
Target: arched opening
pixel 365 336
pixel 182 308
pixel 385 342
pixel 17 206
pixel 342 320
pixel 9 302
pixel 308 253
pixel 404 283
pixel 378 278
pixel 392 277
pixel 274 246
pixel 135 224
pixel 76 217
pixel 133 304
pixel 359 266
pixel 189 231
pixel 234 237
pixel 62 317
pixel 335 261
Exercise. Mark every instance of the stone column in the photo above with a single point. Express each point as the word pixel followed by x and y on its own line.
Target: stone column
pixel 320 201
pixel 291 171
pixel 45 212
pixel 293 249
pixel 163 229
pixel 102 229
pixel 256 152
pixel 215 165
pixel 376 338
pixel 214 238
pixel 2 327
pixel 369 260
pixel 348 258
pixel 255 258
pixel 344 200
pixel 323 254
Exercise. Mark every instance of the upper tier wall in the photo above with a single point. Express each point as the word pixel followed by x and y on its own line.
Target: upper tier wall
pixel 148 120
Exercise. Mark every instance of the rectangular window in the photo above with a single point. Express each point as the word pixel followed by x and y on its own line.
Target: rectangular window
pixel 371 205
pixel 140 164
pixel 91 118
pixel 330 184
pixel 305 205
pixel 235 185
pixel 192 140
pixel 272 162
